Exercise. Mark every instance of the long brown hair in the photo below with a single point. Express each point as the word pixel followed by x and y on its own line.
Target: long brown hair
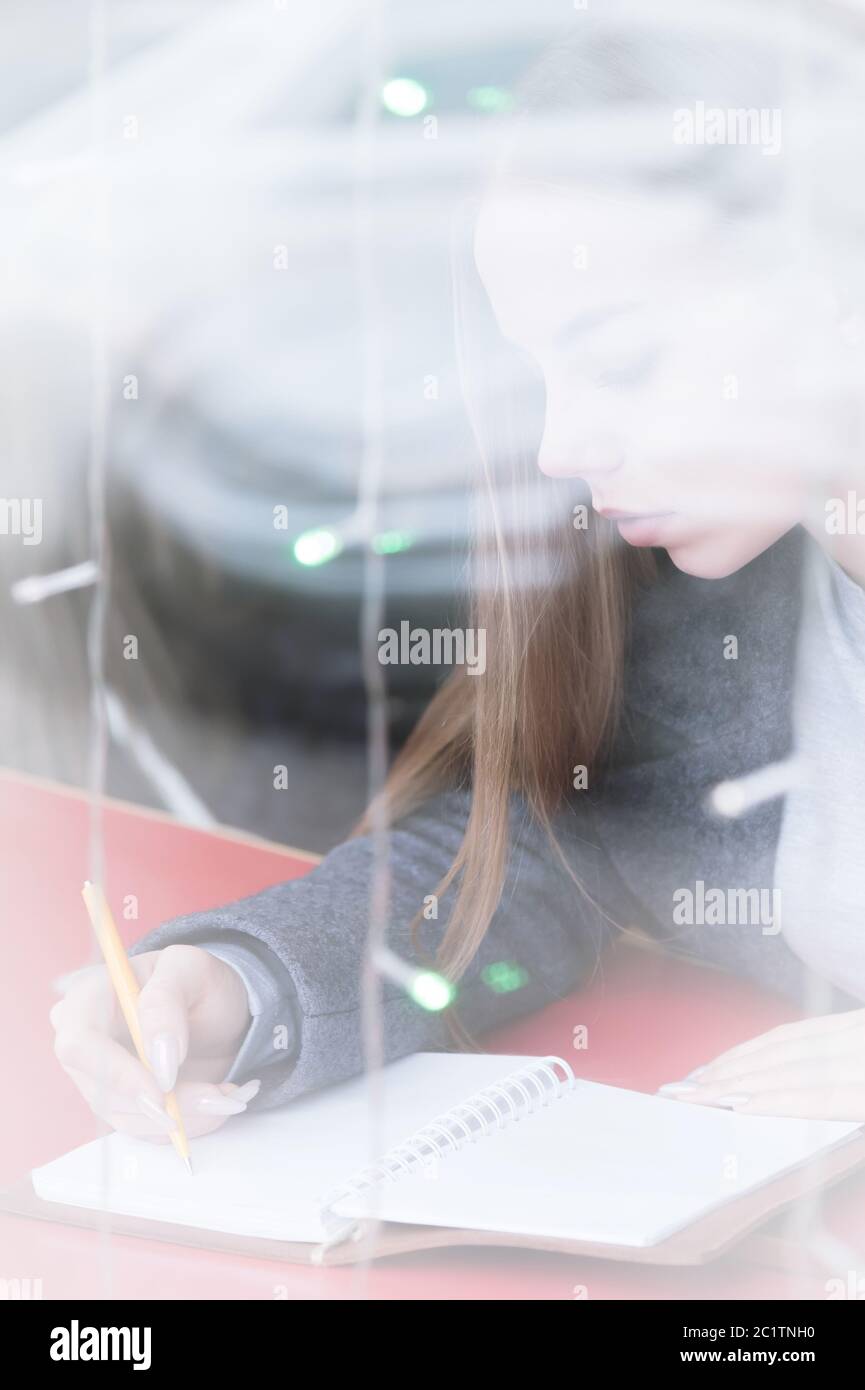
pixel 547 702
pixel 553 601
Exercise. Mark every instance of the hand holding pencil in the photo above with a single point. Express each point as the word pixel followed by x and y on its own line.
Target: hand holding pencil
pixel 190 1014
pixel 125 986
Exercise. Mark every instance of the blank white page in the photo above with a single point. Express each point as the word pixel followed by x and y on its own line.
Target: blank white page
pixel 603 1164
pixel 265 1174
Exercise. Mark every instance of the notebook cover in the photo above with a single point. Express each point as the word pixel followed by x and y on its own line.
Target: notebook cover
pixel 704 1240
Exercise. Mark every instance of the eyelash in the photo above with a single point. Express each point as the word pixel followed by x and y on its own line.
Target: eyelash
pixel 631 374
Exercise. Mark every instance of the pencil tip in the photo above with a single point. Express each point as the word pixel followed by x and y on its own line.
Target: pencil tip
pixel 188 1163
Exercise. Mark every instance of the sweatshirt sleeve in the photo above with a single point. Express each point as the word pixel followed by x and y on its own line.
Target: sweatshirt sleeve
pixel 545 936
pixel 271 1006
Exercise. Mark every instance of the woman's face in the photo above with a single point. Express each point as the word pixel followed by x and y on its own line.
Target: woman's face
pixel 689 381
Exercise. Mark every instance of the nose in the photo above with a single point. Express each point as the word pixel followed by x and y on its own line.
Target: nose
pixel 580 440
pixel 587 457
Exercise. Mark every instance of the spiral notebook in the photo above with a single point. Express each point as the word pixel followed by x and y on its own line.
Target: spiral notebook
pixel 472 1149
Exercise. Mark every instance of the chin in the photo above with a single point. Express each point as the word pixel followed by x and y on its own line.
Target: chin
pixel 717 557
pixel 703 567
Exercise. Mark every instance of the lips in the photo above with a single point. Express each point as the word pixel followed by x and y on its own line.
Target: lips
pixel 638 528
pixel 613 515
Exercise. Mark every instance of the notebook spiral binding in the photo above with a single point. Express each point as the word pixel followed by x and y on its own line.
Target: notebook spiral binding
pixel 506 1101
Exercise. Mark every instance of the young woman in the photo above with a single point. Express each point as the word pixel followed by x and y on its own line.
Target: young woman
pixel 659 336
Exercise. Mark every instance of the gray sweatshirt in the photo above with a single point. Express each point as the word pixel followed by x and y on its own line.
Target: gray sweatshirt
pixel 699 709
pixel 820 868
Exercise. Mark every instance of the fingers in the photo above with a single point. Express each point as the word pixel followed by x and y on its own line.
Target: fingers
pixel 122 1092
pixel 828 1086
pixel 830 1049
pixel 804 1030
pixel 839 1102
pixel 102 1069
pixel 809 1073
pixel 73 978
pixel 164 1005
pixel 813 1068
pixel 92 1040
pixel 204 1108
pixel 92 1044
pixel 89 1001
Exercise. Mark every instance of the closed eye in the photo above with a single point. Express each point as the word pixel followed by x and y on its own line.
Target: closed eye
pixel 633 373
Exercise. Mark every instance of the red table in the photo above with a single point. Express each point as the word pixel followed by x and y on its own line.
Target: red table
pixel 650 1020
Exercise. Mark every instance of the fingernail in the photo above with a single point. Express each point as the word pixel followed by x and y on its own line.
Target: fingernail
pixel 219 1105
pixel 247 1092
pixel 155 1112
pixel 733 1101
pixel 675 1087
pixel 164 1057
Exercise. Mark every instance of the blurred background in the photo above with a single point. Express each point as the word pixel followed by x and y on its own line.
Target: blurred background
pixel 186 316
pixel 215 216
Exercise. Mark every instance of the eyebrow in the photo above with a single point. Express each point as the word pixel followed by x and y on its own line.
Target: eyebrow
pixel 581 324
